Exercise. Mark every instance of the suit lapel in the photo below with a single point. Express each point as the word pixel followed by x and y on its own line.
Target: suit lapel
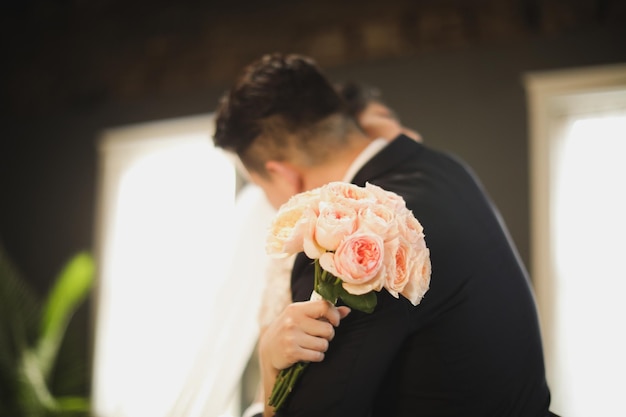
pixel 387 159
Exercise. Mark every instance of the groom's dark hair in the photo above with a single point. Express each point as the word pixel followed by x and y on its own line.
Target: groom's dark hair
pixel 278 104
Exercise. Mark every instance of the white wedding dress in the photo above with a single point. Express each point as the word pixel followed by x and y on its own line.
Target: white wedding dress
pixel 257 289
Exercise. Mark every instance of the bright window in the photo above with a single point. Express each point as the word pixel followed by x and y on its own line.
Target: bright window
pixel 578 126
pixel 590 226
pixel 165 195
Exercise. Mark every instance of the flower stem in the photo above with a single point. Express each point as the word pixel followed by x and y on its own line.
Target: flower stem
pixel 318 274
pixel 285 382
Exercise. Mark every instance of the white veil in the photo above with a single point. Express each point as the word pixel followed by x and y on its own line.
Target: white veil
pixel 229 342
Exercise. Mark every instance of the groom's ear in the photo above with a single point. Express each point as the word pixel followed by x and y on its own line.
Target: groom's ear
pixel 287 175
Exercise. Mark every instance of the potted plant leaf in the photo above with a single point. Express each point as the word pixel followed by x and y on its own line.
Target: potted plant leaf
pixel 31 335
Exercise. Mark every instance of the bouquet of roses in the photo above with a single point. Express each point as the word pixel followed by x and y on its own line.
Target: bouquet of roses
pixel 362 239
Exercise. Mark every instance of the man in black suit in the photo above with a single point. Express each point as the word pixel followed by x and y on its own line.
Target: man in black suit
pixel 472 346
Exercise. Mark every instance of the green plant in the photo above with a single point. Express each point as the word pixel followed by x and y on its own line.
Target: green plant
pixel 31 334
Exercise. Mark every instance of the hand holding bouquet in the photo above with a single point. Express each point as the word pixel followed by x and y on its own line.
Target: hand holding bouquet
pixel 362 239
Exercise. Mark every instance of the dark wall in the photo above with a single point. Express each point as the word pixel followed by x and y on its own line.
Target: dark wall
pixel 453 70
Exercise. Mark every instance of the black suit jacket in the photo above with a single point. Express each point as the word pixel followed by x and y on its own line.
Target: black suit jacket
pixel 472 346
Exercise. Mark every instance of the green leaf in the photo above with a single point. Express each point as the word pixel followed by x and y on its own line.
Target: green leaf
pixel 73 404
pixel 30 338
pixel 364 302
pixel 70 289
pixel 328 290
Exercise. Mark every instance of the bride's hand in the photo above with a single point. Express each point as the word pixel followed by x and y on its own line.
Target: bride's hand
pixel 300 333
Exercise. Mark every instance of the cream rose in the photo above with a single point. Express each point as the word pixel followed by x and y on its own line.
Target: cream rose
pixel 287 231
pixel 387 198
pixel 335 221
pixel 309 198
pixel 378 219
pixel 355 195
pixel 411 228
pixel 419 283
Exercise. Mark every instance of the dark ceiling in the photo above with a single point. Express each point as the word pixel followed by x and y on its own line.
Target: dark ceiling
pixel 76 53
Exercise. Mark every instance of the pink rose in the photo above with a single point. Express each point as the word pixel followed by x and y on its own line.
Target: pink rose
pixel 400 263
pixel 358 262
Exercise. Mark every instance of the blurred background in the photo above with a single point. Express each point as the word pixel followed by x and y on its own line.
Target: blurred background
pixel 457 71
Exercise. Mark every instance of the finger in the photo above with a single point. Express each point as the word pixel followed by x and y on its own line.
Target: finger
pixel 318 328
pixel 309 355
pixel 326 311
pixel 317 344
pixel 343 311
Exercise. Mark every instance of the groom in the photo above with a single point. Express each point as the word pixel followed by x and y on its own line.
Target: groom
pixel 471 348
